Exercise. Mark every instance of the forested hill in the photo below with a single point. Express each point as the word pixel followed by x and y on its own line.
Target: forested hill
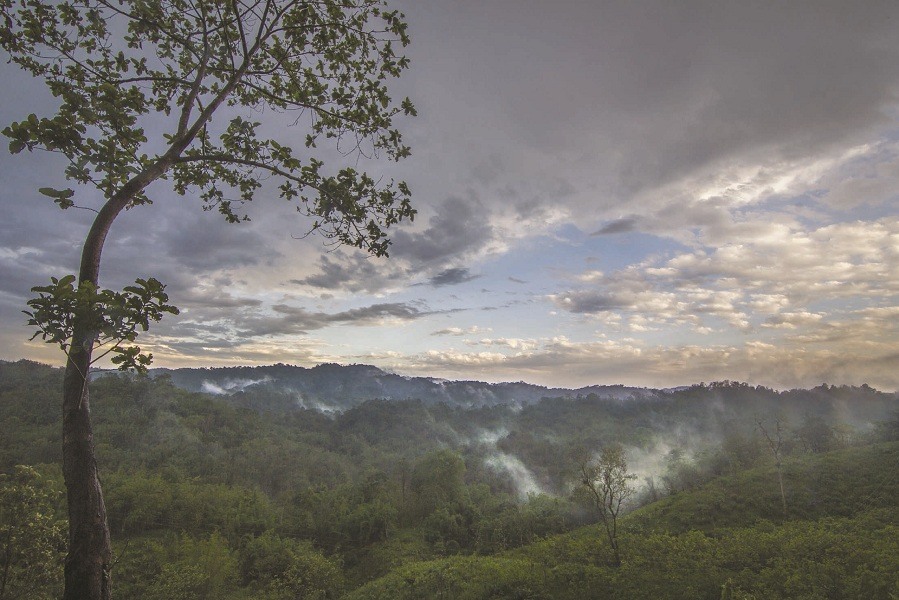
pixel 249 494
pixel 332 386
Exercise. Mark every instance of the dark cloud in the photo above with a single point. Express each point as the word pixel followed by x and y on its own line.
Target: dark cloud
pixel 591 302
pixel 460 227
pixel 645 92
pixel 368 314
pixel 516 280
pixel 452 276
pixel 26 271
pixel 297 320
pixel 184 238
pixel 216 299
pixel 619 226
pixel 188 328
pixel 488 171
pixel 354 272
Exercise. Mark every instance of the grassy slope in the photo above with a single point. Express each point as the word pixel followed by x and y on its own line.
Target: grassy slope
pixel 727 539
pixel 835 484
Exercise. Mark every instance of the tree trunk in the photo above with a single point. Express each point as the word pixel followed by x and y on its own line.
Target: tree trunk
pixel 90 555
pixel 612 532
pixel 88 563
pixel 7 560
pixel 783 496
pixel 89 558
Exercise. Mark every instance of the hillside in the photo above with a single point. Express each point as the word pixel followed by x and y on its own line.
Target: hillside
pixel 727 539
pixel 338 387
pixel 252 495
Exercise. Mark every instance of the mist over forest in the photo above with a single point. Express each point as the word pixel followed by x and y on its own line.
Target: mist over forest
pixel 526 432
pixel 347 481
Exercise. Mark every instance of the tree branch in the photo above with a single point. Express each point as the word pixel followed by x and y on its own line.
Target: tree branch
pixel 194 90
pixel 229 159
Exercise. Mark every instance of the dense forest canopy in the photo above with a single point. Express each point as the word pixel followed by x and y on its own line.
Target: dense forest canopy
pixel 253 494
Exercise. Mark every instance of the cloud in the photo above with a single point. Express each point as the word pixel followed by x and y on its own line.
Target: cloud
pixel 770 275
pixel 793 320
pixel 452 276
pixel 836 260
pixel 681 306
pixel 215 298
pixel 590 301
pixel 781 366
pixel 378 312
pixel 354 272
pixel 517 344
pixel 652 93
pixel 296 320
pixel 872 178
pixel 180 352
pixel 460 227
pixel 258 334
pixel 461 331
pixel 619 226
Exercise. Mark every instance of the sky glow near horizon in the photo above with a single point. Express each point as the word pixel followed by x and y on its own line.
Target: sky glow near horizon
pixel 646 193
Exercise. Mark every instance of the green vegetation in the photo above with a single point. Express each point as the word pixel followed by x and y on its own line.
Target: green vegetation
pixel 253 496
pixel 727 539
pixel 30 536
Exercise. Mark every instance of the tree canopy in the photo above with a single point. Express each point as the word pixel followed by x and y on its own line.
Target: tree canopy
pixel 116 67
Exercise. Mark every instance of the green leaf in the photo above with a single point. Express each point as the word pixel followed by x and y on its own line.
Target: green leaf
pixel 54 193
pixel 61 197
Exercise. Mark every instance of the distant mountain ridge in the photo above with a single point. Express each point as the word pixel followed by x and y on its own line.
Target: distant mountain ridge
pixel 333 386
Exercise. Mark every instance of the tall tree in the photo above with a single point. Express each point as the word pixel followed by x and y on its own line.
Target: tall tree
pixel 119 68
pixel 606 479
pixel 776 445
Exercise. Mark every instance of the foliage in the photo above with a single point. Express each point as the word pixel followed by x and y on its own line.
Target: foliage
pixel 114 67
pixel 113 318
pixel 286 569
pixel 196 569
pixel 463 578
pixel 31 536
pixel 841 483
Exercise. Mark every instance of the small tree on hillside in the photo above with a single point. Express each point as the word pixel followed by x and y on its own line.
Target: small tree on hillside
pixel 162 89
pixel 775 441
pixel 608 483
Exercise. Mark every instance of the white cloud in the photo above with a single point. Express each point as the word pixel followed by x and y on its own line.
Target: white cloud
pixel 793 320
pixel 511 343
pixel 461 330
pixel 784 365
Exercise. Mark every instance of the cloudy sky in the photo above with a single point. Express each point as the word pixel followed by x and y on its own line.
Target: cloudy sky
pixel 648 193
